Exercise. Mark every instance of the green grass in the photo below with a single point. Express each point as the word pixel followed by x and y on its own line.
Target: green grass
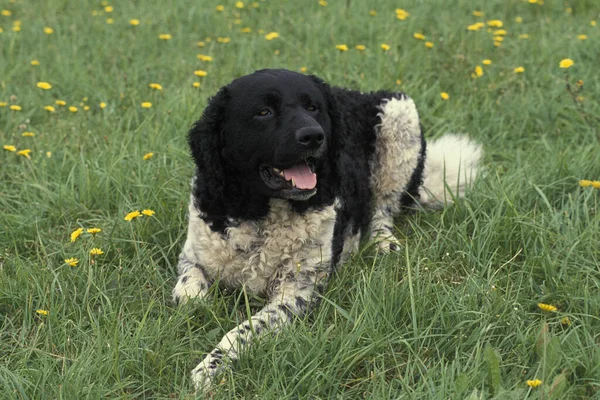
pixel 453 316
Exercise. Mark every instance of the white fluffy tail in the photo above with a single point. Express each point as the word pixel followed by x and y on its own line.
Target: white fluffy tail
pixel 451 165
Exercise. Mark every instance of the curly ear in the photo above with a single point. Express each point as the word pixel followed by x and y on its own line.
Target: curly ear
pixel 204 139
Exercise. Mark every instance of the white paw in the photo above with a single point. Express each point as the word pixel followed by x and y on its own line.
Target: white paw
pixel 388 244
pixel 190 285
pixel 204 374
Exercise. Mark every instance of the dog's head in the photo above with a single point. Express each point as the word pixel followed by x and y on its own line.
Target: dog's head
pixel 265 135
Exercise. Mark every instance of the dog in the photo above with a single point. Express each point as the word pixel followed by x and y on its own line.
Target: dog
pixel 291 173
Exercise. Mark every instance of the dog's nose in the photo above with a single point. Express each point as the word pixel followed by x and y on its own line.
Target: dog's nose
pixel 310 136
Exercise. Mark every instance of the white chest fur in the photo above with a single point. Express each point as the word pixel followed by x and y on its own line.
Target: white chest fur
pixel 251 253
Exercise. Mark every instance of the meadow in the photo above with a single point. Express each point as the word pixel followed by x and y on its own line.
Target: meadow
pixel 497 296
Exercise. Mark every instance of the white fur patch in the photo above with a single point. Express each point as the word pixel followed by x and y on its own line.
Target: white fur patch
pixel 397 148
pixel 254 251
pixel 451 165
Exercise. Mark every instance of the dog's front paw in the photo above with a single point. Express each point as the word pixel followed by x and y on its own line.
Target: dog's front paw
pixel 190 285
pixel 388 244
pixel 204 374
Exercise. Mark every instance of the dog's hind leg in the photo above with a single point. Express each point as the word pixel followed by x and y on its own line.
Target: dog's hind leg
pixel 395 167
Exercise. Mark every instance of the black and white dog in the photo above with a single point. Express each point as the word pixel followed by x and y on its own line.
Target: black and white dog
pixel 290 173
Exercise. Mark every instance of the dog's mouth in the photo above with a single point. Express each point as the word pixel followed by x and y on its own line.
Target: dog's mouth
pixel 296 182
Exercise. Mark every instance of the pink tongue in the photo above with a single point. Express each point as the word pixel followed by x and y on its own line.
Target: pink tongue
pixel 303 176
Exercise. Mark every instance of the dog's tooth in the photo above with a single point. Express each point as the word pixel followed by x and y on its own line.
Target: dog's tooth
pixel 293 182
pixel 277 170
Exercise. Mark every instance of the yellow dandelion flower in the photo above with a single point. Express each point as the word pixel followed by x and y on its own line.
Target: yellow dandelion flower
pixel 239 4
pixel 444 96
pixel 6 13
pixel 165 36
pixel 223 39
pixel 203 57
pixel 546 307
pixel 72 261
pixel 566 63
pixel 579 82
pixel 596 184
pixel 108 9
pixel 134 22
pixel 476 26
pixel 28 134
pixel 498 38
pixel 478 13
pixel 535 382
pixel 478 71
pixel 93 231
pixel 582 37
pixel 585 183
pixel 593 23
pixel 341 47
pixel 75 234
pixel 48 154
pixel 132 215
pixel 487 62
pixel 148 156
pixel 73 109
pixel 220 8
pixel 146 104
pixel 271 35
pixel 24 153
pixel 3 104
pixel 429 45
pixel 49 108
pixel 41 312
pixel 61 102
pixel 200 72
pixel 96 251
pixel 16 28
pixel 156 86
pixel 500 32
pixel 15 108
pixel 35 63
pixel 419 36
pixel 323 3
pixel 524 36
pixel 372 13
pixel 385 47
pixel 246 30
pixel 196 84
pixel 361 47
pixel 86 108
pixel 110 21
pixel 402 14
pixel 518 20
pixel 565 321
pixel 148 212
pixel 48 30
pixel 102 104
pixel 495 23
pixel 44 85
pixel 519 70
pixel 303 69
pixel 201 44
pixel 399 82
pixel 9 147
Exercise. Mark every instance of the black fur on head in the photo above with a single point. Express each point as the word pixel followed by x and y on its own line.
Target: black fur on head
pixel 271 134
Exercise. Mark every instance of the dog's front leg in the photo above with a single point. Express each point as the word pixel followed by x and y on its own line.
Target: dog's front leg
pixel 192 281
pixel 291 296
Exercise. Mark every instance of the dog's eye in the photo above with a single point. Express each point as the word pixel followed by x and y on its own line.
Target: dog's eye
pixel 312 108
pixel 264 112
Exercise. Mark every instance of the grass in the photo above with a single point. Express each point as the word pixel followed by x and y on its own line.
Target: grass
pixel 453 316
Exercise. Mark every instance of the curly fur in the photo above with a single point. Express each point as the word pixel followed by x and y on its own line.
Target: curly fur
pixel 249 228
